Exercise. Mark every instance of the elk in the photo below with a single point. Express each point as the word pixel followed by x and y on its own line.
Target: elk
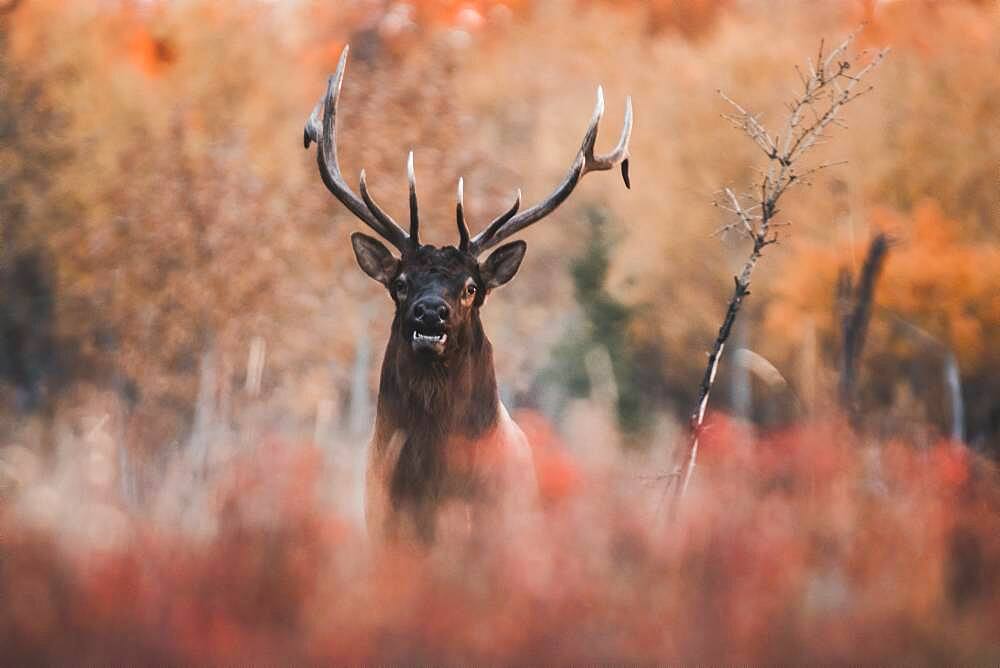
pixel 441 433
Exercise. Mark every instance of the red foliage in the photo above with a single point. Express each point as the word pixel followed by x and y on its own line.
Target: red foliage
pixel 692 18
pixel 807 545
pixel 918 25
pixel 151 54
pixel 558 476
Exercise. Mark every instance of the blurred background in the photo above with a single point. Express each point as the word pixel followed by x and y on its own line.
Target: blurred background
pixel 176 282
pixel 164 231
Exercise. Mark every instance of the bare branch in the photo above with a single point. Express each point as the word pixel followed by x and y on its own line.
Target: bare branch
pixel 744 218
pixel 749 123
pixel 827 85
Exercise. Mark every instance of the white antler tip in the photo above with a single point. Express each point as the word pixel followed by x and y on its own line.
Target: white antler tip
pixel 342 62
pixel 461 189
pixel 409 167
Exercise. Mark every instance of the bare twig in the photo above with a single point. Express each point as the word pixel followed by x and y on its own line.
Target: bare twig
pixel 827 84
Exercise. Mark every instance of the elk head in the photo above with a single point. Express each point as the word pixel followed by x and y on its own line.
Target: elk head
pixel 438 291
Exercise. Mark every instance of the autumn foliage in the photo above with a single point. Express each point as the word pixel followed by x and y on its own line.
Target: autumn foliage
pixel 188 352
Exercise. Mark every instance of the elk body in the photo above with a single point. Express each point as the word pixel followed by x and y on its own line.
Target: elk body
pixel 442 437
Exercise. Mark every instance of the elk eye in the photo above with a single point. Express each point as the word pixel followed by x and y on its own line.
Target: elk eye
pixel 399 285
pixel 470 289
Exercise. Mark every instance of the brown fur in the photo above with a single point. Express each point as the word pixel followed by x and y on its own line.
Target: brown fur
pixel 441 434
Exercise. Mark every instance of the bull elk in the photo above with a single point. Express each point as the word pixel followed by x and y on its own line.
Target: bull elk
pixel 441 433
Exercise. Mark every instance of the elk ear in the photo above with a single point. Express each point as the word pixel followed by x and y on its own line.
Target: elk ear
pixel 374 258
pixel 502 264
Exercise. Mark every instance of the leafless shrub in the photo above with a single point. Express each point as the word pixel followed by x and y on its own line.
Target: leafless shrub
pixel 828 84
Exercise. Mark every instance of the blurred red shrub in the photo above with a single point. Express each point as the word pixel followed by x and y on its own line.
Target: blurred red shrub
pixel 807 547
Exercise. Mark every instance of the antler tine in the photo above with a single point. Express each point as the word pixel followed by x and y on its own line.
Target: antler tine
pixel 414 218
pixel 593 163
pixel 382 217
pixel 586 161
pixel 477 245
pixel 463 229
pixel 324 134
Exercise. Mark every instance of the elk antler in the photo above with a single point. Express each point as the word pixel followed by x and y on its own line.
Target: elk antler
pixel 586 161
pixel 329 169
pixel 463 228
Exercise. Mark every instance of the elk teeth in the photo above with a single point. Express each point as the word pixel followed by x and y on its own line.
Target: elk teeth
pixel 430 338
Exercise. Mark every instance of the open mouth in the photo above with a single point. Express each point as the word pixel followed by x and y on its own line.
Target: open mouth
pixel 429 338
pixel 433 342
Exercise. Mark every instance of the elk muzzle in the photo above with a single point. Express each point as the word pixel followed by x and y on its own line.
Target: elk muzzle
pixel 428 324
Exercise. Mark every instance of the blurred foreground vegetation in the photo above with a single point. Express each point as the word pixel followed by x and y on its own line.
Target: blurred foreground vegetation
pixel 188 352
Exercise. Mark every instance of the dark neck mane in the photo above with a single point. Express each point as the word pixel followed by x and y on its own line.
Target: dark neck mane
pixel 430 401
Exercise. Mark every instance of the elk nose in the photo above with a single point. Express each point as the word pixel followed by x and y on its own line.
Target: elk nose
pixel 431 310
